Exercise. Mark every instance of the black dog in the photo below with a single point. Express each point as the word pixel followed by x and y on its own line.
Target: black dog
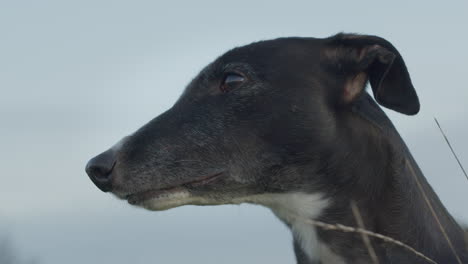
pixel 286 123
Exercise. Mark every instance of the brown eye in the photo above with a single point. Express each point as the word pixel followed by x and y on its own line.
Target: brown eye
pixel 230 81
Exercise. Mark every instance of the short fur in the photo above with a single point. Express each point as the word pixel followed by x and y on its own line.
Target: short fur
pixel 298 133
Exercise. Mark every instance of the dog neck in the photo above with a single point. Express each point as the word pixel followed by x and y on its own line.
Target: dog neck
pixel 393 206
pixel 392 197
pixel 296 209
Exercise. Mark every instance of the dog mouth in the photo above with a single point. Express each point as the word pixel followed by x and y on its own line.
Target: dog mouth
pixel 170 195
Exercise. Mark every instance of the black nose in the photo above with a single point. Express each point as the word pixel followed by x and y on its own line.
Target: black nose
pixel 99 170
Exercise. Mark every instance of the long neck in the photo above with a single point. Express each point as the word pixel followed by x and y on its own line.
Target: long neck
pixel 393 197
pixel 413 214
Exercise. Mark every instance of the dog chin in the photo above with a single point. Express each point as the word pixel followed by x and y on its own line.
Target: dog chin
pixel 168 200
pixel 164 201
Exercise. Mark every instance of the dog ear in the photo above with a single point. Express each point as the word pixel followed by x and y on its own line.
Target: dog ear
pixel 359 58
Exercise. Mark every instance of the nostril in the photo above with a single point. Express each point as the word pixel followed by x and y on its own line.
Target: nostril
pixel 99 173
pixel 99 170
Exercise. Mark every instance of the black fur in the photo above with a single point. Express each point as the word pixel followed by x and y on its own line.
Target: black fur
pixel 286 128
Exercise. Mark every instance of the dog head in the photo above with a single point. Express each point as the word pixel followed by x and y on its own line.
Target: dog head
pixel 268 117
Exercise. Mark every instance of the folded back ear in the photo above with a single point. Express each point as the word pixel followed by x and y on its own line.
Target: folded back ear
pixel 360 58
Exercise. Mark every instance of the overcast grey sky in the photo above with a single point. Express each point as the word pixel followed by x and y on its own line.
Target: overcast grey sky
pixel 77 76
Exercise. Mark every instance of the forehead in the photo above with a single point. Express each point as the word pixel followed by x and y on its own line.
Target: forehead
pixel 276 52
pixel 279 72
pixel 274 60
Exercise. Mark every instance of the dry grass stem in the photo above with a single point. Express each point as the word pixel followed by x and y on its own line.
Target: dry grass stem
pixel 442 229
pixel 451 149
pixel 357 230
pixel 365 238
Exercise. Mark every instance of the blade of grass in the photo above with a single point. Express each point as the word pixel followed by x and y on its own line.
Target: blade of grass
pixel 357 230
pixel 450 146
pixel 426 199
pixel 365 237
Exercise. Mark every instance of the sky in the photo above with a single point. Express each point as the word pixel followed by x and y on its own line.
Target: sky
pixel 76 76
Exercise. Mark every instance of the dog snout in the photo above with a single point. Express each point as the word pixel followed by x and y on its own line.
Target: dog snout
pixel 99 170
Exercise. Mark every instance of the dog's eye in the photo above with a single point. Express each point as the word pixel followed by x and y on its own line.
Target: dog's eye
pixel 230 81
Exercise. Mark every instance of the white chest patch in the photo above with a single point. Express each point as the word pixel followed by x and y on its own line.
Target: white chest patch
pixel 294 208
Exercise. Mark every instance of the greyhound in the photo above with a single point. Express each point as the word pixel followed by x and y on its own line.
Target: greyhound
pixel 288 124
